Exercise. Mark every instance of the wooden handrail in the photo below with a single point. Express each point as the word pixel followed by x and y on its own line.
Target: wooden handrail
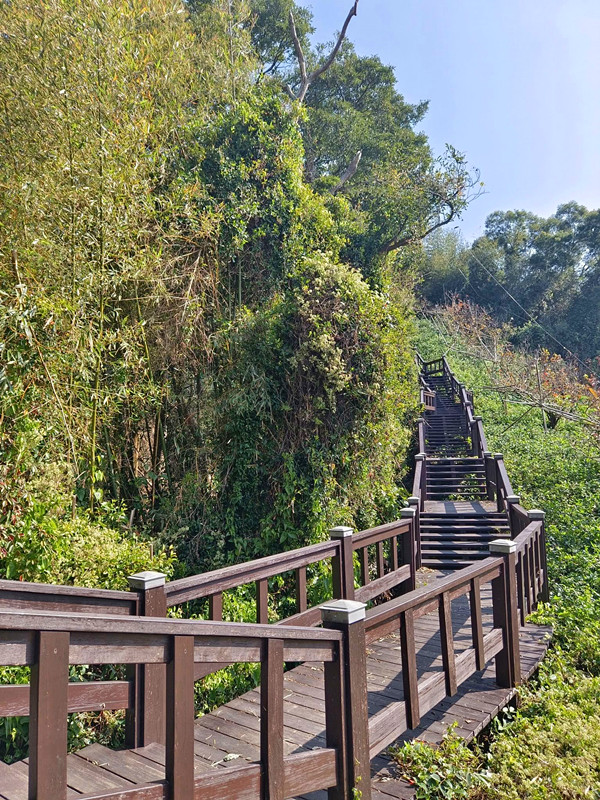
pixel 49 597
pixel 392 570
pixel 110 626
pixel 48 643
pixel 220 580
pixel 423 694
pixel 455 584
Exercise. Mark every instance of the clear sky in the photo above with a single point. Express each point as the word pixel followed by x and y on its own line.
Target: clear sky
pixel 514 84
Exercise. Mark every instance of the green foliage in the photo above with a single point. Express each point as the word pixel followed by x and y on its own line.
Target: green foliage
pixel 451 770
pixel 443 267
pixel 312 403
pixel 549 749
pixel 550 266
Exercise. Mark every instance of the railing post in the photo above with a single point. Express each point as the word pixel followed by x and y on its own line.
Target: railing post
pixel 490 474
pixel 499 499
pixel 348 616
pixel 537 514
pixel 421 434
pixel 506 614
pixel 179 751
pixel 468 408
pixel 145 722
pixel 343 564
pixel 423 457
pixel 475 436
pixel 415 502
pixel 409 549
pixel 511 501
pixel 48 717
pixel 271 719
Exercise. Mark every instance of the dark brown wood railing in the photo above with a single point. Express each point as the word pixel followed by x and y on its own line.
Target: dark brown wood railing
pixel 386 555
pixel 421 695
pixel 48 628
pixel 49 643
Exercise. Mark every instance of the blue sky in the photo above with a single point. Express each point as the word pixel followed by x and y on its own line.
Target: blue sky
pixel 514 84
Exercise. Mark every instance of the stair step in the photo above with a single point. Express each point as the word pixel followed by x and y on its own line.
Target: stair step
pixel 444 566
pixel 461 530
pixel 470 554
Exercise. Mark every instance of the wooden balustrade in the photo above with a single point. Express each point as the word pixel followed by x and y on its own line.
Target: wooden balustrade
pixel 421 695
pixel 531 567
pixel 46 597
pixel 392 545
pixel 49 643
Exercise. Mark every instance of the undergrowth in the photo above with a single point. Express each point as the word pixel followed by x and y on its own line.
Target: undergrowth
pixel 549 748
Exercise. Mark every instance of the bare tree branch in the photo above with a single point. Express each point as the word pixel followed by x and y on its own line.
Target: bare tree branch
pixel 349 171
pixel 299 54
pixel 307 79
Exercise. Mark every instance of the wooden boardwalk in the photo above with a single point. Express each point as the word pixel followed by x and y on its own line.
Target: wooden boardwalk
pixel 231 734
pixel 435 649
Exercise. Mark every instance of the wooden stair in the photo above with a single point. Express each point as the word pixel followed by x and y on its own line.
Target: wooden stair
pixel 451 538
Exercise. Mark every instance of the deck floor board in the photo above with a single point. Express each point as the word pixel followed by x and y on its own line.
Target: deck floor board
pixel 232 732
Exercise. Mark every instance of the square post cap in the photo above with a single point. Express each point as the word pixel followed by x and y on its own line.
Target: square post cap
pixel 487 454
pixel 146 580
pixel 420 456
pixel 498 456
pixel 536 513
pixel 413 501
pixel 477 419
pixel 513 498
pixel 502 547
pixel 344 611
pixel 340 532
pixel 408 512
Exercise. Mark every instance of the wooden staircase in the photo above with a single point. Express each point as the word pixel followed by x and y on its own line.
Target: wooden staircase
pixel 432 650
pixel 457 520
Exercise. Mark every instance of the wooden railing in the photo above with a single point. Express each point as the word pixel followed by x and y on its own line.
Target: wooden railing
pixel 50 643
pixel 421 695
pixel 48 628
pixel 387 556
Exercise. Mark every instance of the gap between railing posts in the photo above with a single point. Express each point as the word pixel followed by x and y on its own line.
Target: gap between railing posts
pixel 506 614
pixel 354 767
pixel 409 547
pixel 144 721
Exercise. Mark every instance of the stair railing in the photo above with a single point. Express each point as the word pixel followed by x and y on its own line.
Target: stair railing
pixel 48 643
pixel 501 642
pixel 427 395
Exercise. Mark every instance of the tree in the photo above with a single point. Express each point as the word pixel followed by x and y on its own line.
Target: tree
pixel 445 270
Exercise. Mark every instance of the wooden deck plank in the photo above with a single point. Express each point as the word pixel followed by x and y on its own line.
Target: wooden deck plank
pixel 235 728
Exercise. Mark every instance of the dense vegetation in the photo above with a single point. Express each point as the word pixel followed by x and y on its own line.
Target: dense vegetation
pixel 205 320
pixel 549 747
pixel 541 275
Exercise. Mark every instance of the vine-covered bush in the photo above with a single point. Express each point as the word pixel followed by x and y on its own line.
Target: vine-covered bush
pixel 312 405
